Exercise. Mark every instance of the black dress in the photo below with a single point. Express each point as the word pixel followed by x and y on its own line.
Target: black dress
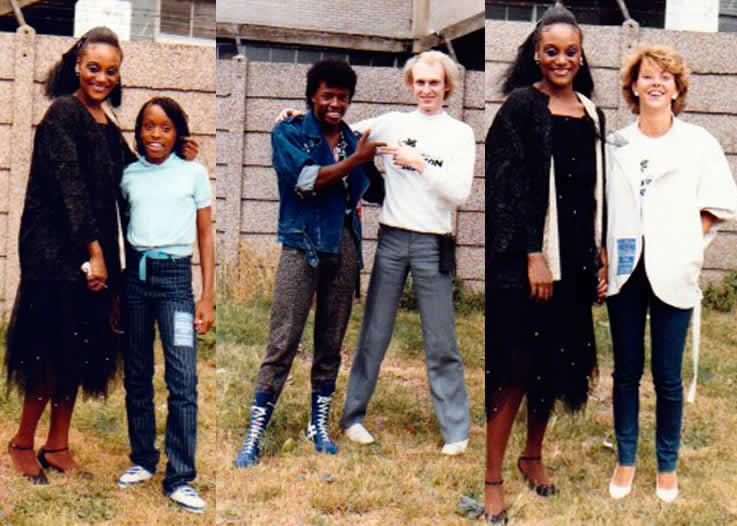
pixel 61 335
pixel 549 348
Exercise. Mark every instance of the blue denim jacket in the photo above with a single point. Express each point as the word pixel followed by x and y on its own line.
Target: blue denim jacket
pixel 313 221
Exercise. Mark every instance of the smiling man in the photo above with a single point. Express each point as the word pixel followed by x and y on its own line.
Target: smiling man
pixel 318 161
pixel 429 170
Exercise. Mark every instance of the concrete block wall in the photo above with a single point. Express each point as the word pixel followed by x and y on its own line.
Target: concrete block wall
pixel 185 73
pixel 251 94
pixel 341 17
pixel 712 58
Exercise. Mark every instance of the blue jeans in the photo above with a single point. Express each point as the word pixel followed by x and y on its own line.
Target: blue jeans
pixel 398 253
pixel 166 298
pixel 668 328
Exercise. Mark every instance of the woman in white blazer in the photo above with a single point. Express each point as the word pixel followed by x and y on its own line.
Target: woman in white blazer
pixel 668 188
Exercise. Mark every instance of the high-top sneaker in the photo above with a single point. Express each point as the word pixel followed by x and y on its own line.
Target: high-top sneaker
pixel 318 429
pixel 259 416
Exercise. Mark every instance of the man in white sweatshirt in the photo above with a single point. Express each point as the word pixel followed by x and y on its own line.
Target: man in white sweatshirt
pixel 429 171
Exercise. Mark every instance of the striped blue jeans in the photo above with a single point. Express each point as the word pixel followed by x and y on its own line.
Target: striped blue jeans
pixel 165 298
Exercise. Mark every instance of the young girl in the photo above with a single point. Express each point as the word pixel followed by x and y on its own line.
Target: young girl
pixel 167 196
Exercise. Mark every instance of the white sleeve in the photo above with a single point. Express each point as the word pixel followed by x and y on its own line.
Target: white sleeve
pixel 717 192
pixel 453 180
pixel 375 124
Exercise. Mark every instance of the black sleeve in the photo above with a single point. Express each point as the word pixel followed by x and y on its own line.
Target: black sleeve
pixel 129 156
pixel 59 142
pixel 376 191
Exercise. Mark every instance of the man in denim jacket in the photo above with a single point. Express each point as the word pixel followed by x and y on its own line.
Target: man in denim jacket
pixel 318 162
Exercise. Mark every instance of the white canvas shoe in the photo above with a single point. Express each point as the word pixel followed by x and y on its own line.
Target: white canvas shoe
pixel 359 434
pixel 455 448
pixel 133 476
pixel 187 498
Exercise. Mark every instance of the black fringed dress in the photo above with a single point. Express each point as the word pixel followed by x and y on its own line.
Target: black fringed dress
pixel 547 348
pixel 61 335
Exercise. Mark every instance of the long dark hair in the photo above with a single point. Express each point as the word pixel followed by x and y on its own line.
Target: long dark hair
pixel 524 71
pixel 177 116
pixel 62 78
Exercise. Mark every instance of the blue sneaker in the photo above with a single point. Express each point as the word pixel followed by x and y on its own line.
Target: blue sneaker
pixel 259 416
pixel 318 429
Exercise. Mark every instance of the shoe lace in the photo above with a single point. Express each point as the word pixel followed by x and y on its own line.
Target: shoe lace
pixel 321 419
pixel 188 491
pixel 255 428
pixel 133 470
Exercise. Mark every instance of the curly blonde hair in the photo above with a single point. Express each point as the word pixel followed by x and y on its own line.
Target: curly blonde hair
pixel 668 59
pixel 451 69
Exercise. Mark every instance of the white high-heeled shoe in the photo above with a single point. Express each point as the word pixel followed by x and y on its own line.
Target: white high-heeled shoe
pixel 666 495
pixel 619 492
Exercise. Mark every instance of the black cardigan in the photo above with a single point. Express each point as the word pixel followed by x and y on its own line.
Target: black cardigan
pixel 71 196
pixel 518 150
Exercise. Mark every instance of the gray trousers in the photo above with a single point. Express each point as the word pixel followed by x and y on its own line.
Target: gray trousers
pixel 400 252
pixel 334 283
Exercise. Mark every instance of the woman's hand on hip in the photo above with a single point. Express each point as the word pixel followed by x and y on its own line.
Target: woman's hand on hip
pixel 541 279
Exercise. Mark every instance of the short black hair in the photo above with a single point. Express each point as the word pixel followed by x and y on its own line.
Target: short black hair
pixel 334 73
pixel 175 112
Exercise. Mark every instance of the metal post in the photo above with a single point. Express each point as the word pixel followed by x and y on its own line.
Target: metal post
pixel 625 11
pixel 18 13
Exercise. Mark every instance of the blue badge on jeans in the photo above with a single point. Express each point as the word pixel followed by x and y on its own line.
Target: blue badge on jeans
pixel 625 255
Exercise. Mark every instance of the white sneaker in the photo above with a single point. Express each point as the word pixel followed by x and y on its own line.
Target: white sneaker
pixel 187 498
pixel 358 433
pixel 455 448
pixel 134 475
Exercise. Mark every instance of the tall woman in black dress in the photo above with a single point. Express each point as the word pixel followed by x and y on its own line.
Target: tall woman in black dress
pixel 63 329
pixel 544 215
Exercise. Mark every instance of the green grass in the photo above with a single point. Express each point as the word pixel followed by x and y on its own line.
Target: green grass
pixel 400 479
pixel 99 442
pixel 580 463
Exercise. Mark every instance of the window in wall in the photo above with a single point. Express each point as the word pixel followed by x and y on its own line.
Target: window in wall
pixel 648 13
pixel 284 53
pixel 188 18
pixel 728 16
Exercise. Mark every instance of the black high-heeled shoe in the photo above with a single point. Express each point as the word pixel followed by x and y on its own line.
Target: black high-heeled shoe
pixel 37 478
pixel 500 519
pixel 544 490
pixel 46 464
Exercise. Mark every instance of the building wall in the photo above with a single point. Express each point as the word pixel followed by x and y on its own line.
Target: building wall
pixel 712 58
pixel 185 73
pixel 444 13
pixel 345 16
pixel 251 94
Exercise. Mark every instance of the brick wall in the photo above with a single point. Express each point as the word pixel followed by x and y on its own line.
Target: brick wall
pixel 185 73
pixel 712 58
pixel 251 94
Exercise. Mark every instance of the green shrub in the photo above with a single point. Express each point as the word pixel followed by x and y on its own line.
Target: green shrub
pixel 722 297
pixel 464 300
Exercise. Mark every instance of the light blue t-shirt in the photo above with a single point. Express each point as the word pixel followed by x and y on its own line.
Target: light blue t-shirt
pixel 164 199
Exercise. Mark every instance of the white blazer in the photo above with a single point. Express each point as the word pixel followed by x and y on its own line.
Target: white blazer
pixel 685 171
